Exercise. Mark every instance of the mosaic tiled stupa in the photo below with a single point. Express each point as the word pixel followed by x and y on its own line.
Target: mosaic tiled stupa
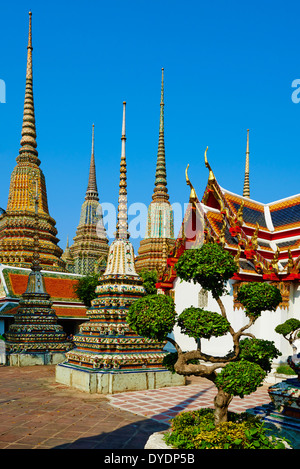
pixel 159 235
pixel 109 357
pixel 88 253
pixel 35 337
pixel 17 222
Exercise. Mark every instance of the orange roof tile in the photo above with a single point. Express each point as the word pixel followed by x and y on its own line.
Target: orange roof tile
pixel 61 288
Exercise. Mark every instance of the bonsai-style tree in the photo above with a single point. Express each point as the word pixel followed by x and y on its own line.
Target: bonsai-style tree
pixel 290 330
pixel 240 371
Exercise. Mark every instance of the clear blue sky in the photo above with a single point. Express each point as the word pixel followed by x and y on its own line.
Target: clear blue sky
pixel 229 66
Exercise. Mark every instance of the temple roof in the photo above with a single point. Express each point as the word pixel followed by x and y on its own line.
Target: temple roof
pixel 263 238
pixel 60 287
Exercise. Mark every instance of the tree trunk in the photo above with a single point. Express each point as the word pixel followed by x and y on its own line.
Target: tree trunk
pixel 221 401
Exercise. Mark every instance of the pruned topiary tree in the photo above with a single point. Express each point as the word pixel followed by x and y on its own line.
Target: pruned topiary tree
pixel 290 330
pixel 240 371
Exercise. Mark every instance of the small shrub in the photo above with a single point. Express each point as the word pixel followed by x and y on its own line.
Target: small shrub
pixel 285 370
pixel 196 430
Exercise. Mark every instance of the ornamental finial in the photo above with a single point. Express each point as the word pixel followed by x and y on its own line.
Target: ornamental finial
pixel 246 191
pixel 211 176
pixel 160 191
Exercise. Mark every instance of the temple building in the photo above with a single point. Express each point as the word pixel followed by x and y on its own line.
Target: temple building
pixel 88 253
pixel 264 239
pixel 109 357
pixel 159 235
pixel 17 221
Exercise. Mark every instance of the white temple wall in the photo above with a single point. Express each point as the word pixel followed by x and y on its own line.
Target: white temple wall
pixel 188 294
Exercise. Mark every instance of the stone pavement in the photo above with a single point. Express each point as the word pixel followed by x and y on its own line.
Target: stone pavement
pixel 38 413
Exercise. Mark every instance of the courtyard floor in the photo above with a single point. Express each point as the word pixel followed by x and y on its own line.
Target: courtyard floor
pixel 38 413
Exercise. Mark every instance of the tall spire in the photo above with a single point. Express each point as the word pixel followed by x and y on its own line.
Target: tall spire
pixel 28 150
pixel 92 191
pixel 122 224
pixel 160 190
pixel 246 192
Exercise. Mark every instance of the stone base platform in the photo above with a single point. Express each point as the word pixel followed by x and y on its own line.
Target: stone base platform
pixel 30 359
pixel 110 382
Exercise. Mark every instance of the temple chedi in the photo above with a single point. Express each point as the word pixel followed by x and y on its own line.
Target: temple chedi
pixel 35 338
pixel 159 236
pixel 18 221
pixel 88 254
pixel 109 357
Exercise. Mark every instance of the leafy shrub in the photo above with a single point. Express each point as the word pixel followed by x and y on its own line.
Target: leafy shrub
pixel 149 281
pixel 197 430
pixel 152 316
pixel 85 288
pixel 196 322
pixel 210 266
pixel 240 378
pixel 285 370
pixel 257 297
pixel 259 351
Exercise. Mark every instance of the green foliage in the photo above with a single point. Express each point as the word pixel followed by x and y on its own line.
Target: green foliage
pixel 259 351
pixel 197 430
pixel 257 297
pixel 149 281
pixel 152 316
pixel 240 378
pixel 198 323
pixel 170 360
pixel 210 266
pixel 85 289
pixel 289 326
pixel 285 370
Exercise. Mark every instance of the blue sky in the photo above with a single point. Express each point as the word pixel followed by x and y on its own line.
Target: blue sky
pixel 229 66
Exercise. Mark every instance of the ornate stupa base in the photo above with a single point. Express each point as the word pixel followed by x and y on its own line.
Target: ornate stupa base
pixel 35 358
pixel 286 397
pixel 114 381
